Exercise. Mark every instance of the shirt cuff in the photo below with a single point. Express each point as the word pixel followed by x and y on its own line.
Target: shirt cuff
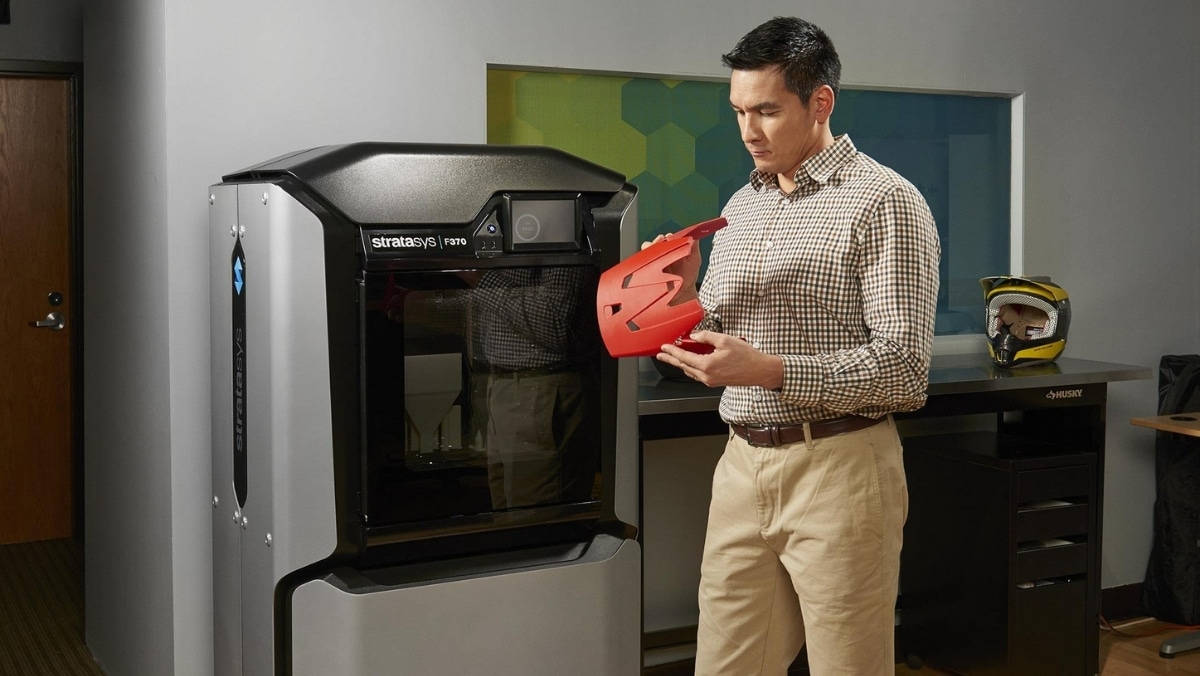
pixel 803 380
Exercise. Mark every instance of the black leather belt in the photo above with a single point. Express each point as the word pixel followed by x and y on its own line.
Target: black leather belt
pixel 781 435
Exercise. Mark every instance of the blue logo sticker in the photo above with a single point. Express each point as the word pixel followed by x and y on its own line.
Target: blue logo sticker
pixel 238 283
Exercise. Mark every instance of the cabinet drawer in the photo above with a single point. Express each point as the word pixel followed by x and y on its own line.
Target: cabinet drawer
pixel 1040 563
pixel 1047 484
pixel 1051 630
pixel 1052 522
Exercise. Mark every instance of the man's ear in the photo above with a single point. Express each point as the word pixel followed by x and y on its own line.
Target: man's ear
pixel 823 99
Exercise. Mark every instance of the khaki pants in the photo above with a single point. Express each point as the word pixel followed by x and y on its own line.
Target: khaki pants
pixel 803 545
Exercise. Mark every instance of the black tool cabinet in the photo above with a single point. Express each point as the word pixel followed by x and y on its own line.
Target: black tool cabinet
pixel 1001 561
pixel 995 570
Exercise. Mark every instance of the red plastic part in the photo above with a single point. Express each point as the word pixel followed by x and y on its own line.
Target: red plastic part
pixel 694 346
pixel 633 301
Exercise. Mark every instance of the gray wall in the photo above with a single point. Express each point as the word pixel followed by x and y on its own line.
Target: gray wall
pixel 145 541
pixel 43 30
pixel 181 92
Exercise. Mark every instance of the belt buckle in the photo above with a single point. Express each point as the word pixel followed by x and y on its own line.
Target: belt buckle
pixel 766 436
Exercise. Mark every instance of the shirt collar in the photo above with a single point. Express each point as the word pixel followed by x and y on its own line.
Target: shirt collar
pixel 816 169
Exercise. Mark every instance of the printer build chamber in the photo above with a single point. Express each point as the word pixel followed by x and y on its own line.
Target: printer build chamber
pixel 424 462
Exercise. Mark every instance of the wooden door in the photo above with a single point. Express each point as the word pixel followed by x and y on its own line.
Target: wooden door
pixel 37 478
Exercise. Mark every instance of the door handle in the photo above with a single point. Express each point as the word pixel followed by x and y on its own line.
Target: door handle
pixel 53 321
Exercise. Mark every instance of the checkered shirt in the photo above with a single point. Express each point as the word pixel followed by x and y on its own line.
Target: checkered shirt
pixel 534 318
pixel 838 278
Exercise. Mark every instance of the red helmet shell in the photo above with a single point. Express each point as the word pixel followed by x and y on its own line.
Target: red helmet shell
pixel 633 299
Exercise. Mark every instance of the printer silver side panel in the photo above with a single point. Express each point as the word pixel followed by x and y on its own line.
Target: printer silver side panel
pixel 562 619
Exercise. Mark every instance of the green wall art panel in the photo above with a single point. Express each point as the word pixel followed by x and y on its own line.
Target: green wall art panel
pixel 676 140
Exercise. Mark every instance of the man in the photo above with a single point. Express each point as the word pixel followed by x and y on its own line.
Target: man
pixel 819 302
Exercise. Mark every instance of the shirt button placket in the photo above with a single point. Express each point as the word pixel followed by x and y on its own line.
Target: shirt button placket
pixel 769 243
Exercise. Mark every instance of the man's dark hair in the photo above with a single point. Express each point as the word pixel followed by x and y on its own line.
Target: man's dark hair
pixel 802 52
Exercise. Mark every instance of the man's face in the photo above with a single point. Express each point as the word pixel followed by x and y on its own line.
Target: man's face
pixel 779 130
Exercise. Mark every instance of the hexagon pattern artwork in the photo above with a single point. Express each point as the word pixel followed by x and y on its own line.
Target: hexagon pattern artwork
pixel 676 140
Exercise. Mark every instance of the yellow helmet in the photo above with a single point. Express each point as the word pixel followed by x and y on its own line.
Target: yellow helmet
pixel 1026 319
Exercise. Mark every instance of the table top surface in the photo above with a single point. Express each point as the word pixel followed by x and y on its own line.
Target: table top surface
pixel 948 375
pixel 1179 423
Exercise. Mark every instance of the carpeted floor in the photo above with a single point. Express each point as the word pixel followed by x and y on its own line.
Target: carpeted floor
pixel 41 610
